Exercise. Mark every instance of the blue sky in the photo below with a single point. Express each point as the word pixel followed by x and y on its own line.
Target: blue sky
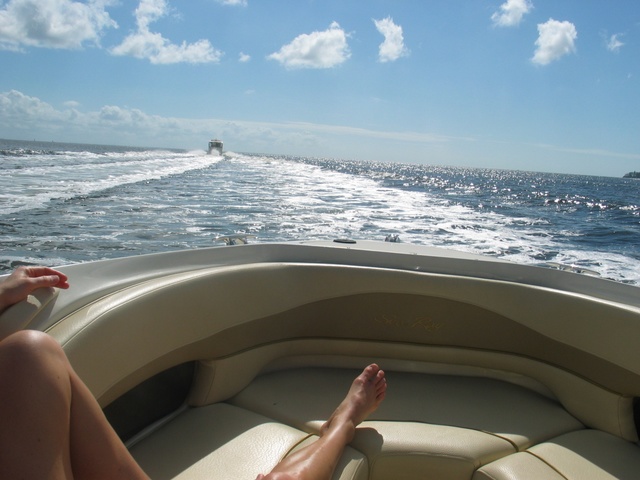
pixel 541 85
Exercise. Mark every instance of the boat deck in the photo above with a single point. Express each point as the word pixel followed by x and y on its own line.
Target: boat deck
pixel 496 371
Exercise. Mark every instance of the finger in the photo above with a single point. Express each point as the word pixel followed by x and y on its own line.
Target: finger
pixel 39 271
pixel 45 281
pixel 48 273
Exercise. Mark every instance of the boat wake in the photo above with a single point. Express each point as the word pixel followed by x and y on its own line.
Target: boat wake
pixel 39 177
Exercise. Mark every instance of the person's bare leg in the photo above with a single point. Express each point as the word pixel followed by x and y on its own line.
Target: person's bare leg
pixel 52 427
pixel 319 460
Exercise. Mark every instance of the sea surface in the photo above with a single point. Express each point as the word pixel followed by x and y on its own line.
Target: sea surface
pixel 66 203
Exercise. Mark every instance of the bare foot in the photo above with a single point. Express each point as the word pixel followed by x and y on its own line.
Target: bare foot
pixel 365 395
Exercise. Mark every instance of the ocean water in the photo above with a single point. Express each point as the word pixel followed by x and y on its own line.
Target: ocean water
pixel 66 203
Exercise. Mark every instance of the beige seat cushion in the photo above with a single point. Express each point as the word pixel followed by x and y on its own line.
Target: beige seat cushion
pixel 305 397
pixel 411 451
pixel 443 426
pixel 226 442
pixel 520 466
pixel 582 455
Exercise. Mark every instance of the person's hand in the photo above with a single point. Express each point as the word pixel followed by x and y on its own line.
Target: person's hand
pixel 24 280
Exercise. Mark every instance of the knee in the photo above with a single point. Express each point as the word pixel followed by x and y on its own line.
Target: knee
pixel 25 347
pixel 29 340
pixel 33 366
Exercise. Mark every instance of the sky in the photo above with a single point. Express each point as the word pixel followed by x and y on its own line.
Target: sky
pixel 540 85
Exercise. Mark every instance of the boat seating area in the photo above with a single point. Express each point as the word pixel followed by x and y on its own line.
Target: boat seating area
pixel 431 426
pixel 487 379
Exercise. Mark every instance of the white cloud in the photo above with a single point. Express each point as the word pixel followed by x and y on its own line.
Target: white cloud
pixel 52 23
pixel 511 12
pixel 146 44
pixel 555 40
pixel 324 49
pixel 243 57
pixel 614 44
pixel 149 11
pixel 15 105
pixel 393 46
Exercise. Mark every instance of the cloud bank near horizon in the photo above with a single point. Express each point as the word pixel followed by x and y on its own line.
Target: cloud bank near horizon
pixel 28 117
pixel 23 113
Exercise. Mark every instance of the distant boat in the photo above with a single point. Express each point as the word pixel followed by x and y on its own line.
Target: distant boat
pixel 215 145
